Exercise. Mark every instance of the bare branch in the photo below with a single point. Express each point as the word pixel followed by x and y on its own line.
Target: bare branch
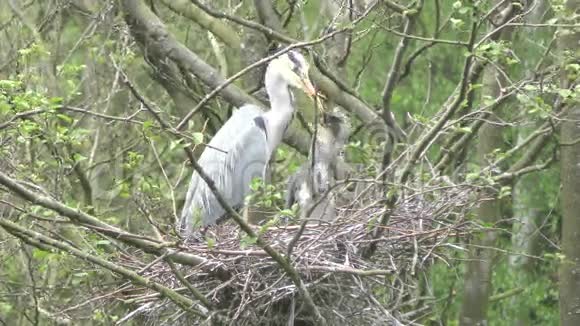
pixel 218 28
pixel 41 241
pixel 102 227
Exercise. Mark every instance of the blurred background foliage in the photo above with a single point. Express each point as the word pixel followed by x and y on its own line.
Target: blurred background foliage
pixel 79 54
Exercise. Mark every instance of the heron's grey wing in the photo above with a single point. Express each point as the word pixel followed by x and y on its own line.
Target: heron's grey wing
pixel 239 144
pixel 241 119
pixel 249 160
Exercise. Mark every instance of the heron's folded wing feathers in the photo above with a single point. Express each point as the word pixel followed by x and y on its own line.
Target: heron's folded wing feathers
pixel 233 156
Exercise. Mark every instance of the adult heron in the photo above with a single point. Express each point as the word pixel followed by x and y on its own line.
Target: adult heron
pixel 241 149
pixel 318 175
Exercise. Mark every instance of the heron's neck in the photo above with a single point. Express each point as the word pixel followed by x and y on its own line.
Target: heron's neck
pixel 281 110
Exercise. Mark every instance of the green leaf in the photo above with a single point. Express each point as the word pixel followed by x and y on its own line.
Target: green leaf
pixel 147 124
pixel 65 118
pixel 565 93
pixel 5 108
pixel 287 212
pixel 573 67
pixel 9 84
pixel 103 243
pixel 41 254
pixel 247 241
pixel 174 144
pixel 472 176
pixel 5 308
pixel 464 130
pixel 457 23
pixel 505 192
pixel 463 10
pixel 267 225
pixel 55 103
pixel 210 242
pixel 197 138
pixel 78 157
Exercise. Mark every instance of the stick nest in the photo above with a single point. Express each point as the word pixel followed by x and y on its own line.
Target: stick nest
pixel 347 288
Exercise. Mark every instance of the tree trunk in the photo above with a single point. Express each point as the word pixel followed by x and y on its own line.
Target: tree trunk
pixel 477 286
pixel 527 197
pixel 527 208
pixel 570 177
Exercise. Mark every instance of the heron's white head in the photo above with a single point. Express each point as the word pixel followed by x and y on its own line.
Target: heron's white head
pixel 293 68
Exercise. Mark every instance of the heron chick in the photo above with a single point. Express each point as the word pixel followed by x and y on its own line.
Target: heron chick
pixel 316 177
pixel 242 147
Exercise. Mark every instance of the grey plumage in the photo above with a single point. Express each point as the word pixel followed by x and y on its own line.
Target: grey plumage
pixel 313 179
pixel 241 149
pixel 235 155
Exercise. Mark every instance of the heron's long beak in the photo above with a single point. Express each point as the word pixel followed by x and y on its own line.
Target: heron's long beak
pixel 311 91
pixel 308 87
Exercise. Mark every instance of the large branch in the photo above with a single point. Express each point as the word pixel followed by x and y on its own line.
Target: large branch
pixel 155 40
pixel 392 81
pixel 472 70
pixel 395 68
pixel 389 88
pixel 215 26
pixel 267 14
pixel 458 142
pixel 153 37
pixel 80 217
pixel 152 34
pixel 41 241
pixel 339 96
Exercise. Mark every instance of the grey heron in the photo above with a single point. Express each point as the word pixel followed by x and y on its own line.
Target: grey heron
pixel 242 147
pixel 316 177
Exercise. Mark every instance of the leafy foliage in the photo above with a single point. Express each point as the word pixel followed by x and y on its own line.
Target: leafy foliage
pixel 81 122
